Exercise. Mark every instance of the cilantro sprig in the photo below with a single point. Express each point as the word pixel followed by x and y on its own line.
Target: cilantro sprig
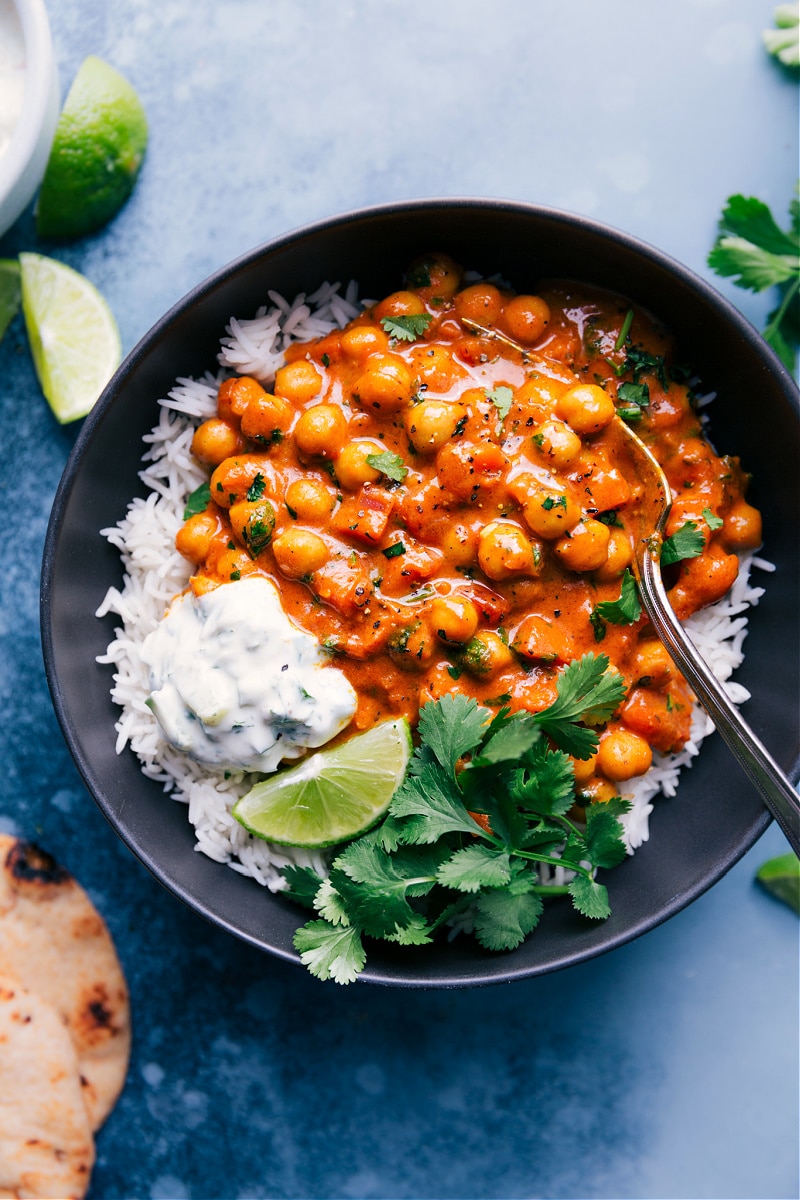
pixel 485 804
pixel 686 542
pixel 753 251
pixel 406 328
pixel 389 464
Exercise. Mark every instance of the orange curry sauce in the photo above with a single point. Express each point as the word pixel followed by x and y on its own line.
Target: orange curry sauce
pixel 444 513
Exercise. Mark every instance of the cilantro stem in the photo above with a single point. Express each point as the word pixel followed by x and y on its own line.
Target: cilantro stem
pixel 625 330
pixel 554 862
pixel 783 308
pixel 552 889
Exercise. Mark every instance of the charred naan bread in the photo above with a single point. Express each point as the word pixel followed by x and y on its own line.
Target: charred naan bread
pixel 53 940
pixel 46 1143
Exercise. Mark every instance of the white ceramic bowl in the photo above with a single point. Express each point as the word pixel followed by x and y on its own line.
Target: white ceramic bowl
pixel 23 164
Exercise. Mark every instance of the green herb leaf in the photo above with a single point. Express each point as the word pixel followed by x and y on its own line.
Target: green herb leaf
pixel 452 727
pixel 389 464
pixel 604 837
pixel 544 783
pixel 504 917
pixel 515 736
pixel 330 952
pixel 256 489
pixel 302 885
pixel 712 521
pixel 686 542
pixel 626 610
pixel 784 41
pixel 434 805
pixel 407 328
pixel 502 398
pixel 394 551
pixel 475 867
pixel 590 898
pixel 781 877
pixel 585 693
pixel 197 502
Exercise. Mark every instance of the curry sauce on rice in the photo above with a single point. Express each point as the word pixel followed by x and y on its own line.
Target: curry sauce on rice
pixel 444 512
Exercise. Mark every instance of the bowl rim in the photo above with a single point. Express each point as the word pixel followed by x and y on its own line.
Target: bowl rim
pixel 23 163
pixel 143 347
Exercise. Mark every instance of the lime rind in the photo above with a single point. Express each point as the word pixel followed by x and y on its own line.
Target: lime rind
pixel 10 292
pixel 333 795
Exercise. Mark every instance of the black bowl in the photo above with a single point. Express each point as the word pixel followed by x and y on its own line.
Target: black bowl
pixel 695 837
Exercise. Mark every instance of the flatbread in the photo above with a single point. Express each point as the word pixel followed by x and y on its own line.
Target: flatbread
pixel 46 1143
pixel 53 940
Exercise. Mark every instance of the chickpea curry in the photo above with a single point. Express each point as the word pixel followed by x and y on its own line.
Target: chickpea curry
pixel 445 511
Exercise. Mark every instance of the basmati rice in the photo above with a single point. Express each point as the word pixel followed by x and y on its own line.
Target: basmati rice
pixel 154 573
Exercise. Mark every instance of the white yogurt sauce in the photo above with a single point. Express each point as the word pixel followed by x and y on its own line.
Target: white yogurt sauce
pixel 235 684
pixel 12 72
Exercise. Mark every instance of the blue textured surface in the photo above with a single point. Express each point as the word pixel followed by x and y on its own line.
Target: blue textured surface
pixel 667 1069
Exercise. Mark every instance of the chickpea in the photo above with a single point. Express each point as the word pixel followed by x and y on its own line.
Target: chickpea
pixel 455 618
pixel 504 550
pixel 525 318
pixel 540 391
pixel 321 431
pixel 464 467
pixel 352 468
pixel 618 556
pixel 265 416
pixel 194 538
pixel 434 276
pixel 362 340
pixel 481 302
pixel 253 522
pixel 233 564
pixel 233 478
pixel 550 513
pixel 597 791
pixel 653 663
pixel 557 443
pixel 584 768
pixel 299 552
pixel 623 754
pixel 298 381
pixel 436 368
pixel 235 394
pixel 585 548
pixel 400 304
pixel 460 544
pixel 309 500
pixel 385 384
pixel 742 527
pixel 432 423
pixel 586 408
pixel 215 440
pixel 486 655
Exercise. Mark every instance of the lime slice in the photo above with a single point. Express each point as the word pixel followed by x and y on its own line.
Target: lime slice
pixel 96 154
pixel 333 795
pixel 73 335
pixel 9 292
pixel 781 877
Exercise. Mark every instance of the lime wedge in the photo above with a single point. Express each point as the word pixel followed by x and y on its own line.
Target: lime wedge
pixel 9 292
pixel 781 877
pixel 96 154
pixel 73 335
pixel 333 795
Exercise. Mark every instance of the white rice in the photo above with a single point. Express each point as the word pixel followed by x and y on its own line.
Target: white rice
pixel 154 573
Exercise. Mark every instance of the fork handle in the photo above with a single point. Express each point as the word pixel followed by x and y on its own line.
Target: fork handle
pixel 780 797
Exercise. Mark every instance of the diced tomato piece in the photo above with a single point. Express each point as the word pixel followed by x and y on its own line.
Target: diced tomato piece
pixel 346 588
pixel 365 516
pixel 541 641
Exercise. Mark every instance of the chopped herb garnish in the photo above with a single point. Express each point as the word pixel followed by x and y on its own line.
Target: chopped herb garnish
pixel 712 521
pixel 686 542
pixel 634 397
pixel 407 328
pixel 394 551
pixel 624 330
pixel 197 502
pixel 550 502
pixel 326 360
pixel 257 488
pixel 431 859
pixel 502 398
pixel 598 625
pixel 626 610
pixel 610 518
pixel 389 464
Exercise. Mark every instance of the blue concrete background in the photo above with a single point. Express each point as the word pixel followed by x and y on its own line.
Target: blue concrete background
pixel 667 1070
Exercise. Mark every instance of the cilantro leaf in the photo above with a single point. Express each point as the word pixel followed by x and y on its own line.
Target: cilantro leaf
pixel 407 328
pixel 626 610
pixel 604 844
pixel 510 741
pixel 433 802
pixel 502 398
pixel 330 952
pixel 302 884
pixel 197 502
pixel 749 218
pixel 257 488
pixel 416 933
pixel 452 726
pixel 329 904
pixel 713 522
pixel 544 783
pixel 504 917
pixel 784 41
pixel 475 867
pixel 589 897
pixel 585 693
pixel 686 542
pixel 389 464
pixel 375 887
pixel 751 267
